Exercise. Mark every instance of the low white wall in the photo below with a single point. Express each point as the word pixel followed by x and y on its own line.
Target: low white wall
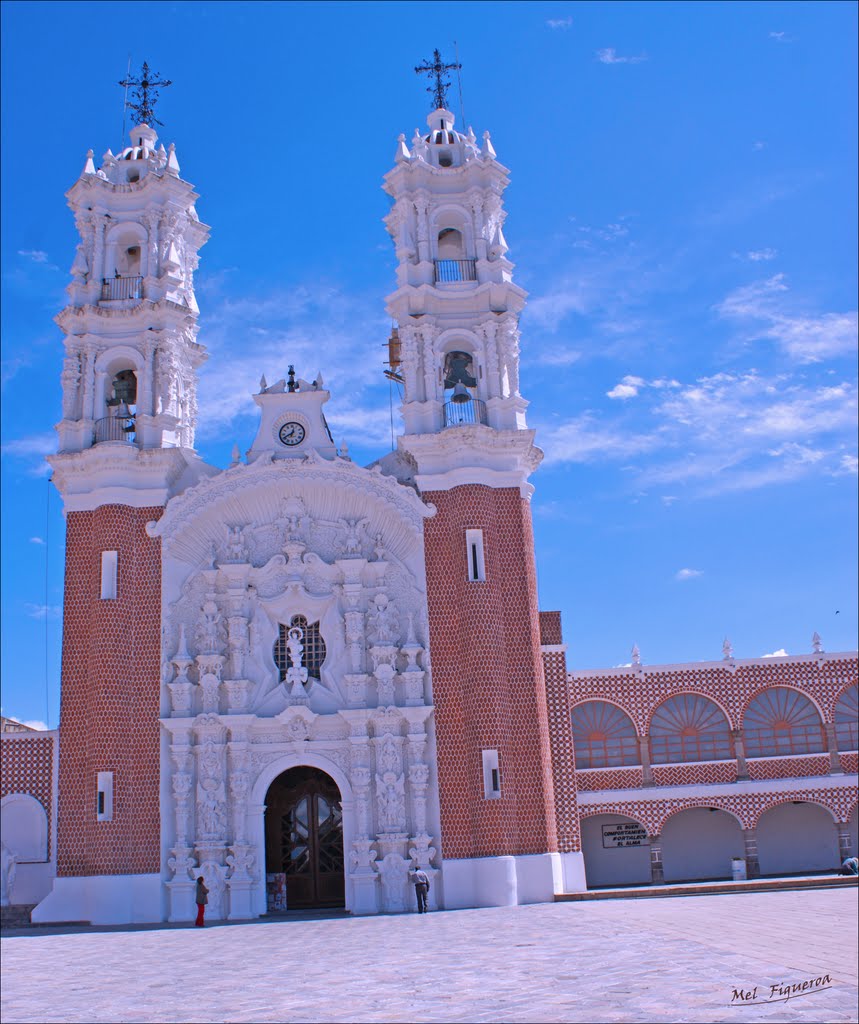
pixel 795 838
pixel 614 866
pixel 505 881
pixel 32 883
pixel 699 843
pixel 103 899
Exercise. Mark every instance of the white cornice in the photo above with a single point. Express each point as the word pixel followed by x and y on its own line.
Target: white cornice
pixel 266 479
pixel 654 794
pixel 634 672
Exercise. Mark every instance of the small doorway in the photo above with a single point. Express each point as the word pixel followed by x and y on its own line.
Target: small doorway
pixel 304 837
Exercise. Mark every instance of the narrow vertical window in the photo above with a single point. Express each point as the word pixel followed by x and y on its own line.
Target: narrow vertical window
pixel 491 775
pixel 104 796
pixel 474 550
pixel 109 564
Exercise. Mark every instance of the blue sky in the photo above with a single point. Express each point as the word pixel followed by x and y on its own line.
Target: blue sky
pixel 682 211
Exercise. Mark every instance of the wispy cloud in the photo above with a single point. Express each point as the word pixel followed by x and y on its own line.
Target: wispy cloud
pixel 766 308
pixel 780 37
pixel 262 334
pixel 36 255
pixel 37 540
pixel 628 388
pixel 721 433
pixel 610 56
pixel 780 653
pixel 562 23
pixel 758 145
pixel 756 255
pixel 687 574
pixel 32 450
pixel 42 611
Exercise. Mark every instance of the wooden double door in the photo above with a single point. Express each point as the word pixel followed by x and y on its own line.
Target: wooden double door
pixel 304 837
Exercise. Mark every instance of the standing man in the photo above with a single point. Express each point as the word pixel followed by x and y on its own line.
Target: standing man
pixel 422 884
pixel 202 898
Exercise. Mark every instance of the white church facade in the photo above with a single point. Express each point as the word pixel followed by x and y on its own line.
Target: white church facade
pixel 302 678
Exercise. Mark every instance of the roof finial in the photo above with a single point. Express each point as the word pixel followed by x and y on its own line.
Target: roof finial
pixel 145 95
pixel 817 643
pixel 727 650
pixel 438 69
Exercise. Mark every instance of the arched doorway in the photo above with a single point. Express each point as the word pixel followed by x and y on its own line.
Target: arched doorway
pixel 616 851
pixel 304 837
pixel 797 838
pixel 699 843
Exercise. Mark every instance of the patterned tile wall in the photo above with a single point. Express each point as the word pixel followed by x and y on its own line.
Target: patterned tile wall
pixel 110 695
pixel 488 685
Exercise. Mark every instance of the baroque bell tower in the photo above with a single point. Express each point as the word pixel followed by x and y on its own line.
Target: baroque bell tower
pixel 126 446
pixel 455 349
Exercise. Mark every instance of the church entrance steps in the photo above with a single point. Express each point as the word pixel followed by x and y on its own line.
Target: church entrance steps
pixel 710 888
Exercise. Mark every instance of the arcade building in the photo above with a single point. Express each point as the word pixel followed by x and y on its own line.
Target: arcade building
pixel 303 678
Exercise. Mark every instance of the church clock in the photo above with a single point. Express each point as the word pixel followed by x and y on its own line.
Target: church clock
pixel 291 434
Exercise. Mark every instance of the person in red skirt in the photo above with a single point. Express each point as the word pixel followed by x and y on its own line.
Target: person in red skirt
pixel 202 899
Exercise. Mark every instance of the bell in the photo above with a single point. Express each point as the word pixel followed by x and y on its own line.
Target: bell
pixel 460 394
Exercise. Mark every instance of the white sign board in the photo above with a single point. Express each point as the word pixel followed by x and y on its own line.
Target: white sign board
pixel 624 833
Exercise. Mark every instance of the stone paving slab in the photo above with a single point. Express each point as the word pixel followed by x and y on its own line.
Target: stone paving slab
pixel 647 960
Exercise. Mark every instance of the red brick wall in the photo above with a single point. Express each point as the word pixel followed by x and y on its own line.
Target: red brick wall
pixel 27 766
pixel 560 735
pixel 109 706
pixel 488 685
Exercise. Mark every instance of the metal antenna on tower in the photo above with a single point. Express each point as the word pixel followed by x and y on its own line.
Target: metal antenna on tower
pixel 125 103
pixel 462 123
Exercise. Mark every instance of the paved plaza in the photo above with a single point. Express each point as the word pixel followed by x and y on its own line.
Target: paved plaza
pixel 679 959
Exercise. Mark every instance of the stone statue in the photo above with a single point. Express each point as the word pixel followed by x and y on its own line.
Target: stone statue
pixel 383 620
pixel 391 796
pixel 211 797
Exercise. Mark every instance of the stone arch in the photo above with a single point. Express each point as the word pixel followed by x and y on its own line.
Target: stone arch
pixel 613 865
pixel 689 726
pixel 108 364
pixel 702 846
pixel 24 827
pixel 780 686
pixel 449 216
pixel 797 837
pixel 782 720
pixel 601 739
pixel 674 811
pixel 844 717
pixel 126 250
pixel 267 775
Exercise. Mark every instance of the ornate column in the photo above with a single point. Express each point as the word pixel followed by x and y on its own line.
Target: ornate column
pixel 750 841
pixel 476 201
pixel 211 809
pixel 657 874
pixel 392 835
pixel 490 347
pixel 646 773
pixel 832 745
pixel 71 382
pixel 421 851
pixel 365 880
pixel 181 886
pixel 412 676
pixel 740 749
pixel 845 844
pixel 240 857
pixel 421 207
pixel 97 266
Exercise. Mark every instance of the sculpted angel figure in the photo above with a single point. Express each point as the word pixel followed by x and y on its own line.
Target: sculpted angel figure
pixel 354 528
pixel 383 620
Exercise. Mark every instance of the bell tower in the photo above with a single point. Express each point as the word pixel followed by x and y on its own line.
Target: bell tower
pixel 455 349
pixel 126 446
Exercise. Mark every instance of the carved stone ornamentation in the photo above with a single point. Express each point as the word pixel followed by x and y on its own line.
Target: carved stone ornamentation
pixel 394 871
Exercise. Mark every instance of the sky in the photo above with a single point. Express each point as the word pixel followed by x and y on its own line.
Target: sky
pixel 682 211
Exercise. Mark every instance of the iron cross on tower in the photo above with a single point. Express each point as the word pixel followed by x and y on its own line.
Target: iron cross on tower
pixel 145 95
pixel 438 69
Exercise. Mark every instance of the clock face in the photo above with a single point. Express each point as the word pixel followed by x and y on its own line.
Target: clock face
pixel 291 434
